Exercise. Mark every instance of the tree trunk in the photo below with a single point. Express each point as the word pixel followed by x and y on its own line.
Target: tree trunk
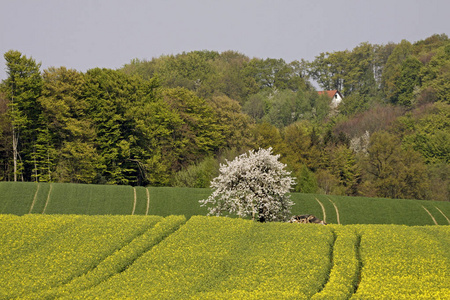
pixel 14 151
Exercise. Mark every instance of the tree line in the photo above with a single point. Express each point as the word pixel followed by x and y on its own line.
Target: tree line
pixel 171 120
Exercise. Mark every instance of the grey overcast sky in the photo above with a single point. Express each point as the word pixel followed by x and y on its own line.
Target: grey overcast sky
pixel 82 34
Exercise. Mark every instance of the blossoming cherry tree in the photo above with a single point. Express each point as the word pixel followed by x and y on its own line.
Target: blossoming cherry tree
pixel 253 184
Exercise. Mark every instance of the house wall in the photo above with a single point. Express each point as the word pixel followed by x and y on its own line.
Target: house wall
pixel 336 100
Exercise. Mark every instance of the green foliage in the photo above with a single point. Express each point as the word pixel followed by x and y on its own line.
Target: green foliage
pixel 328 183
pixel 435 75
pixel 145 123
pixel 392 68
pixel 198 175
pixel 233 123
pixel 255 106
pixel 397 173
pixel 201 133
pixel 343 166
pixel 428 132
pixel 353 104
pixel 408 81
pixel 419 73
pixel 282 108
pixel 110 94
pixel 265 135
pixel 276 74
pixel 350 72
pixel 300 148
pixel 23 88
pixel 306 181
pixel 208 73
pixel 66 143
pixel 77 163
pixel 439 175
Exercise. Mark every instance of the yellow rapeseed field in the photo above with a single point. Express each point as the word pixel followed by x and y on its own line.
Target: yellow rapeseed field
pixel 402 262
pixel 39 252
pixel 217 258
pixel 151 257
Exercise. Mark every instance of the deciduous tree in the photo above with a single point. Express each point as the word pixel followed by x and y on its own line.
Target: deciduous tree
pixel 253 184
pixel 397 173
pixel 23 88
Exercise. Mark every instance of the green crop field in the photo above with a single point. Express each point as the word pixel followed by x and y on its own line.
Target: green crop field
pixel 154 257
pixel 58 198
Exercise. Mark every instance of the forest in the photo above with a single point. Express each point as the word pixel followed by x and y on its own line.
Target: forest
pixel 171 120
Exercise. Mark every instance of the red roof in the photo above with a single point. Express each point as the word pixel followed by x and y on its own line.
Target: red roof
pixel 330 94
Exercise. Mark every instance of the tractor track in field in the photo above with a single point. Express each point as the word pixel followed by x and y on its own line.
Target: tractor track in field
pixel 340 280
pixel 148 201
pixel 135 200
pixel 432 218
pixel 442 213
pixel 34 198
pixel 336 209
pixel 330 269
pixel 323 210
pixel 48 198
pixel 358 258
pixel 73 285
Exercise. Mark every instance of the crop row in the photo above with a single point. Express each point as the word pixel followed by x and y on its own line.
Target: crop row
pixel 39 253
pixel 116 257
pixel 222 258
pixel 346 265
pixel 89 199
pixel 401 262
pixel 63 198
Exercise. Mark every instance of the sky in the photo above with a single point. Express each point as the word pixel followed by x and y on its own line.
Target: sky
pixel 82 34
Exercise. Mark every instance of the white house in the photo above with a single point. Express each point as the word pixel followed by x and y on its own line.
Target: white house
pixel 334 95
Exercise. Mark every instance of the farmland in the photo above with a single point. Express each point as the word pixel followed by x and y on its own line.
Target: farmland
pixel 56 198
pixel 42 252
pixel 139 257
pixel 75 241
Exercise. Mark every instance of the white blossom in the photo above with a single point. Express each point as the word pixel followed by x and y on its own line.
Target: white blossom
pixel 360 144
pixel 253 184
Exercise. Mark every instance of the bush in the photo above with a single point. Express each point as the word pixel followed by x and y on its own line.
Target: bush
pixel 198 175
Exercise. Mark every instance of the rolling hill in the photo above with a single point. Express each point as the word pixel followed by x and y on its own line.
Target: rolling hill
pixel 152 257
pixel 57 198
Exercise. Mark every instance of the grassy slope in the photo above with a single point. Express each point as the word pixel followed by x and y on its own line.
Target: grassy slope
pixel 90 199
pixel 17 198
pixel 166 201
pixel 361 210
